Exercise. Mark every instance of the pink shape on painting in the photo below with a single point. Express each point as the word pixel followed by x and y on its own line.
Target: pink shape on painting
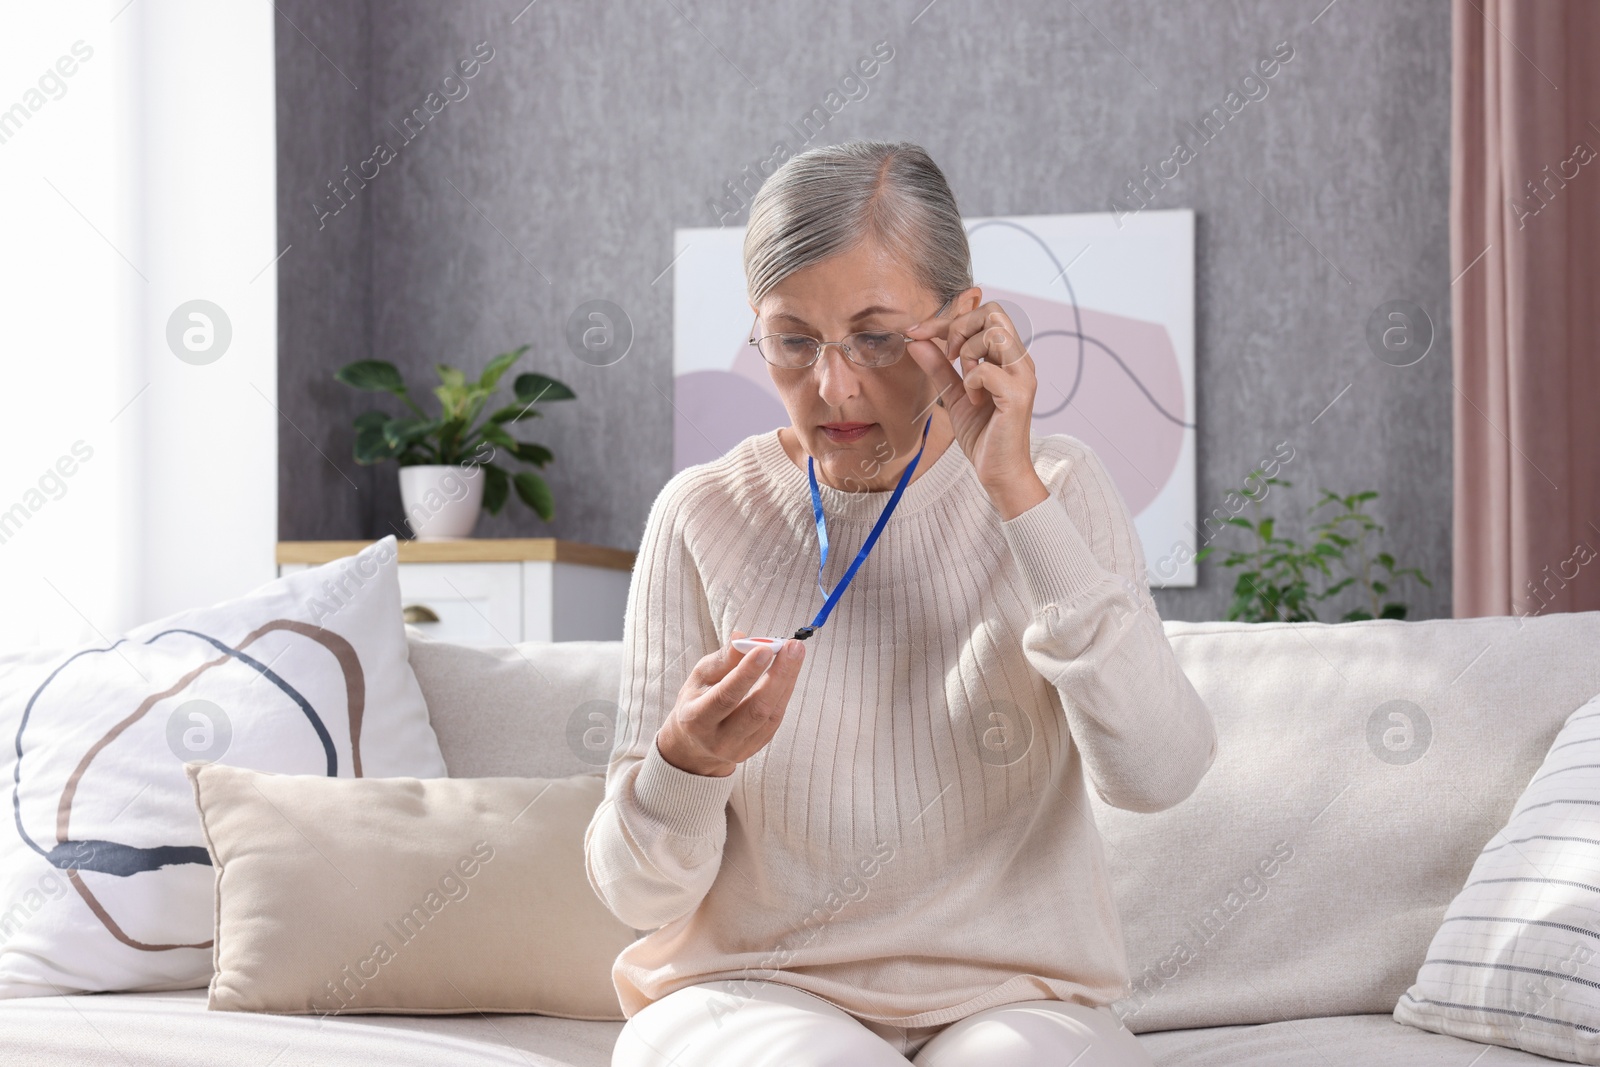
pixel 717 410
pixel 1108 411
pixel 748 364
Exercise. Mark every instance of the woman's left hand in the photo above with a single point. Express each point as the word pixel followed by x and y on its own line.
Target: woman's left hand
pixel 990 403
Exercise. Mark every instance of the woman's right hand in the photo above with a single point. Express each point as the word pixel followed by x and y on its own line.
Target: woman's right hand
pixel 729 707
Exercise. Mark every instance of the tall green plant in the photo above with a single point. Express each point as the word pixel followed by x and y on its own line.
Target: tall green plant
pixel 1361 572
pixel 1275 580
pixel 459 433
pixel 1278 576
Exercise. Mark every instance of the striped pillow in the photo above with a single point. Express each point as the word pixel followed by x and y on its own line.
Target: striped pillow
pixel 1516 961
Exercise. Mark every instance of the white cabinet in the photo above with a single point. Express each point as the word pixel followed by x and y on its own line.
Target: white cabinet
pixel 485 591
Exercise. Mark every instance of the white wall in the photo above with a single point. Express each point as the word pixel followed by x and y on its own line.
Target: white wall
pixel 141 180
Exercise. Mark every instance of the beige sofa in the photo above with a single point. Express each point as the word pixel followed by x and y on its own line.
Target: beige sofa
pixel 1272 918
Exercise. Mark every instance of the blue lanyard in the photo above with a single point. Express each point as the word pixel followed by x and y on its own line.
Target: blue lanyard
pixel 872 538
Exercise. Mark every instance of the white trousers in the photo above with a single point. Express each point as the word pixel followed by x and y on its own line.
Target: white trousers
pixel 769 1024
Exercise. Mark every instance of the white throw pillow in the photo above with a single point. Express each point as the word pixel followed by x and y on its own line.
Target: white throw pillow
pixel 105 883
pixel 1516 961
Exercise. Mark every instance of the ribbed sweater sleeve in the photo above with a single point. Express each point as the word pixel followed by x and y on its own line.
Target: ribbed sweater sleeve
pixel 1145 736
pixel 654 845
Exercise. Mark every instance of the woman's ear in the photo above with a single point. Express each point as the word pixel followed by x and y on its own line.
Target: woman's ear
pixel 962 303
pixel 967 300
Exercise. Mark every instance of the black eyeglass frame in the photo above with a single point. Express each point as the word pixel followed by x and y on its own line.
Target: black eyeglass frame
pixel 821 344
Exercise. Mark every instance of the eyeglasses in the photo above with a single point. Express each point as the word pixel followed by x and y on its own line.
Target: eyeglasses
pixel 870 348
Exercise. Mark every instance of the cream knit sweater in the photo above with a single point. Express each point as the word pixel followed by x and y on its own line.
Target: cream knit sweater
pixel 915 844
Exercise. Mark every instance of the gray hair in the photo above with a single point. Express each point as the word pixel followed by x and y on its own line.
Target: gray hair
pixel 825 200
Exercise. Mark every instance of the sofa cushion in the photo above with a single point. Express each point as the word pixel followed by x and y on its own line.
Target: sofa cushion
pixel 1332 1041
pixel 1360 769
pixel 176 1030
pixel 538 709
pixel 406 895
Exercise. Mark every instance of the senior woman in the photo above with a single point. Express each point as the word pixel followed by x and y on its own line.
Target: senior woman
pixel 875 844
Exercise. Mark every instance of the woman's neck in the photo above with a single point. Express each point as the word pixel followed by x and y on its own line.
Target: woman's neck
pixel 940 437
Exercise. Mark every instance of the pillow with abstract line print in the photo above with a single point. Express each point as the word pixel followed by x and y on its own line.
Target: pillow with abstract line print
pixel 1516 961
pixel 105 881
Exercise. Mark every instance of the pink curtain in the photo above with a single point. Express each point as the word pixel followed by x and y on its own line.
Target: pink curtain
pixel 1525 259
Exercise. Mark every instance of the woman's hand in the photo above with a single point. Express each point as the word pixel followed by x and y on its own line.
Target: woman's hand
pixel 729 707
pixel 990 403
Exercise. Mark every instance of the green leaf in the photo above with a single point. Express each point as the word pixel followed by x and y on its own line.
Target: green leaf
pixel 369 419
pixel 1265 526
pixel 496 434
pixel 496 488
pixel 1237 521
pixel 405 430
pixel 498 366
pixel 537 388
pixel 535 493
pixel 373 374
pixel 449 375
pixel 371 446
pixel 453 400
pixel 1386 559
pixel 515 413
pixel 1334 588
pixel 1393 611
pixel 416 454
pixel 1204 552
pixel 1356 615
pixel 528 452
pixel 451 437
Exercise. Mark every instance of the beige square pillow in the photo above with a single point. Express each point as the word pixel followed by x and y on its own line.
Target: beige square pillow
pixel 405 895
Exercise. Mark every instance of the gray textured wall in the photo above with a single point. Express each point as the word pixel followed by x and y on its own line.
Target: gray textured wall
pixel 597 129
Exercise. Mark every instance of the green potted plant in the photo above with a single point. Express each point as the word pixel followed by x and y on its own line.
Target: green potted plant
pixel 448 473
pixel 1276 573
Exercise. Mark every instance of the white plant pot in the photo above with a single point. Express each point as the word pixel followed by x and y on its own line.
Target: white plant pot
pixel 441 501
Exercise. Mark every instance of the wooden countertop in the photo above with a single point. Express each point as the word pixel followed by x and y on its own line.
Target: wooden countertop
pixel 468 550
